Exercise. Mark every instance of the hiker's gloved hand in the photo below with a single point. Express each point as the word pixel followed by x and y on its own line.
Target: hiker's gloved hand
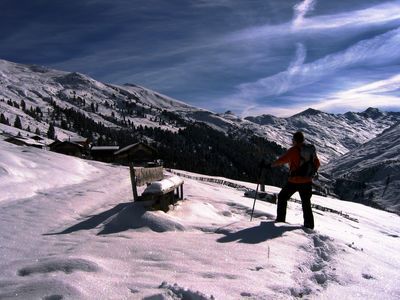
pixel 268 166
pixel 261 164
pixel 264 165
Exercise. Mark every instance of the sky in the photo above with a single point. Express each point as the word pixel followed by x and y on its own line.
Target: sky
pixel 251 57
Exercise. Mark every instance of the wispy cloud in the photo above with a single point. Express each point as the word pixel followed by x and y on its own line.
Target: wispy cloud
pixel 300 11
pixel 381 49
pixel 381 93
pixel 217 54
pixel 377 15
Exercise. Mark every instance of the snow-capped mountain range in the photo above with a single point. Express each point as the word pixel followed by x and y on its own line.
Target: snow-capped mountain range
pixel 371 172
pixel 111 105
pixel 333 134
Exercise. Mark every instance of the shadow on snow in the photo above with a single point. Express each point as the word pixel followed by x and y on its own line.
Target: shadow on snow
pixel 257 234
pixel 94 221
pixel 125 216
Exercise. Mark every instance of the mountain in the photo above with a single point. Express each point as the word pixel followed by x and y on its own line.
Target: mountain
pixel 333 134
pixel 131 106
pixel 187 137
pixel 32 98
pixel 371 173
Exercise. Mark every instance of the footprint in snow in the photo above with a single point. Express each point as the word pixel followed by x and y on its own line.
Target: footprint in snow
pixel 66 265
pixel 367 276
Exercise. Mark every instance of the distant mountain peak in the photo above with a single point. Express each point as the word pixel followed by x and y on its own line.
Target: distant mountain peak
pixel 131 85
pixel 372 112
pixel 372 109
pixel 308 112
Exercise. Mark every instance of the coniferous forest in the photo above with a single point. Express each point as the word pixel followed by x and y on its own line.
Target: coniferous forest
pixel 194 147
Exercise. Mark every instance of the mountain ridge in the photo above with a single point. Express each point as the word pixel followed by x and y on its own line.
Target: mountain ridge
pixel 333 134
pixel 41 96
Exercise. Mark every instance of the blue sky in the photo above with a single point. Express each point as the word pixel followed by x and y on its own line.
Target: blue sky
pixel 252 57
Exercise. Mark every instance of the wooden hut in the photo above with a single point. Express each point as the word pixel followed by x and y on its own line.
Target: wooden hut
pixel 103 153
pixel 16 141
pixel 20 141
pixel 84 142
pixel 139 154
pixel 67 148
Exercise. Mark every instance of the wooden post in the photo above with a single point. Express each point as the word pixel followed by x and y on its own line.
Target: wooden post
pixel 133 181
pixel 181 196
pixel 262 181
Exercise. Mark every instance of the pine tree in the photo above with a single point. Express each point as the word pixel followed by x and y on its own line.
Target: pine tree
pixel 3 119
pixel 64 124
pixel 17 123
pixel 37 131
pixel 23 105
pixel 51 133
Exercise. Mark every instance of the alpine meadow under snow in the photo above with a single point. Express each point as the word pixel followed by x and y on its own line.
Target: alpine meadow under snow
pixel 69 230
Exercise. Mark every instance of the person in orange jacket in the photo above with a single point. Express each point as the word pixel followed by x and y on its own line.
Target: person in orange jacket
pixel 300 179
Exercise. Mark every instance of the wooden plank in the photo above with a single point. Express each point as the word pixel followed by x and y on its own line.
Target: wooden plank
pixel 133 182
pixel 181 196
pixel 147 175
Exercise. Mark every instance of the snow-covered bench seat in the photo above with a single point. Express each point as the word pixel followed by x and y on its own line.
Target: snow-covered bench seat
pixel 163 186
pixel 163 191
pixel 160 191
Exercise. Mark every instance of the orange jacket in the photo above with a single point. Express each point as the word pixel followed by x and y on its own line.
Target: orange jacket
pixel 292 157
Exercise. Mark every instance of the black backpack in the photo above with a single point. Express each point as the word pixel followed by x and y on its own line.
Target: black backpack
pixel 307 167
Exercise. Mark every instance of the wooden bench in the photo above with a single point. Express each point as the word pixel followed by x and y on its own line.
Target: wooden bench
pixel 161 191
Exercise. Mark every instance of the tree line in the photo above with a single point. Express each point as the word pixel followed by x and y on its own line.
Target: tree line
pixel 195 147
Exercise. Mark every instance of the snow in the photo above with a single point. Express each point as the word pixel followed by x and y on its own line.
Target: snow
pixel 377 165
pixel 333 134
pixel 95 148
pixel 30 171
pixel 163 185
pixel 77 235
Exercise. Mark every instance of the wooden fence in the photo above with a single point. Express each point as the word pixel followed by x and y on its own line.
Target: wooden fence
pixel 245 188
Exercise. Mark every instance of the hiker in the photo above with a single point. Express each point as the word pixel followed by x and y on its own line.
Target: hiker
pixel 303 164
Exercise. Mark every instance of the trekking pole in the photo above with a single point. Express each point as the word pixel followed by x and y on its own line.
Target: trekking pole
pixel 254 203
pixel 258 185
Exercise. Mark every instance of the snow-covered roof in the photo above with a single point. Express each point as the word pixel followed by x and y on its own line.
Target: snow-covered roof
pixel 133 146
pixel 26 141
pixel 104 148
pixel 78 140
pixel 58 143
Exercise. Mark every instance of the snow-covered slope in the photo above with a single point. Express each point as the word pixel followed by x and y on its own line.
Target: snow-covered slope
pixel 38 86
pixel 333 134
pixel 83 238
pixel 371 172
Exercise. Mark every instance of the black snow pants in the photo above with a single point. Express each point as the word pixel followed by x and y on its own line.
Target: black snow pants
pixel 305 191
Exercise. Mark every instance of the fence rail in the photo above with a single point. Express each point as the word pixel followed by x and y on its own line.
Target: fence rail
pixel 245 188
